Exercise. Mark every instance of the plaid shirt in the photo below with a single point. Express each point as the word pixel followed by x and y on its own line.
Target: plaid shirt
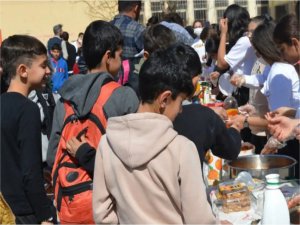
pixel 132 33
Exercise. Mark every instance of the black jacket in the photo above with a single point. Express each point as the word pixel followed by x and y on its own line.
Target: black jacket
pixel 206 129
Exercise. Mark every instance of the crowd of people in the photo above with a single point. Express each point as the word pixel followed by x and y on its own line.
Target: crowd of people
pixel 112 117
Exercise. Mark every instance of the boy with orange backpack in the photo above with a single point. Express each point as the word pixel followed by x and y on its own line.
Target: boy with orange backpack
pixel 87 101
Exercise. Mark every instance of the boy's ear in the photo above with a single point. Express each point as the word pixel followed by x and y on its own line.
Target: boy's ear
pixel 22 71
pixel 136 9
pixel 106 57
pixel 163 98
pixel 295 43
pixel 146 55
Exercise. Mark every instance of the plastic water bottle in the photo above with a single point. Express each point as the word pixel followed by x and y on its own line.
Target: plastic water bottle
pixel 275 206
pixel 230 103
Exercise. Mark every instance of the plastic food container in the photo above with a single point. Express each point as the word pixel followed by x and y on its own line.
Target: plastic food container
pixel 236 204
pixel 235 197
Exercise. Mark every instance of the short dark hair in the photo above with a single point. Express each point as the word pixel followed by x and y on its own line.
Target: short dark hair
pixel 212 44
pixel 125 6
pixel 173 17
pixel 171 69
pixel 65 36
pixel 99 37
pixel 204 34
pixel 190 30
pixel 286 29
pixel 158 37
pixel 19 49
pixel 238 20
pixel 57 29
pixel 262 41
pixel 152 21
pixel 261 19
pixel 56 46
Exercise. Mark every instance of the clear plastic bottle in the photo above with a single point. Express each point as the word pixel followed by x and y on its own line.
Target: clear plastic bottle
pixel 230 103
pixel 231 106
pixel 275 206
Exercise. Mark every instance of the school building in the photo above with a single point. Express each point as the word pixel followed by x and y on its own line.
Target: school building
pixel 37 17
pixel 212 10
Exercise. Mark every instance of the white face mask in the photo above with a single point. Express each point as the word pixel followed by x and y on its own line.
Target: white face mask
pixel 198 31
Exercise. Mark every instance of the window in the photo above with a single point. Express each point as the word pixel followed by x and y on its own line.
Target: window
pixel 220 13
pixel 242 3
pixel 141 17
pixel 155 6
pixel 181 4
pixel 158 14
pixel 262 7
pixel 200 7
pixel 200 4
pixel 221 3
pixel 262 10
pixel 182 14
pixel 200 15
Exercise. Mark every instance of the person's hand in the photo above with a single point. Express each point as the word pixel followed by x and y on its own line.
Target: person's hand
pixel 237 80
pixel 223 25
pixel 294 201
pixel 214 75
pixel 266 150
pixel 46 223
pixel 247 109
pixel 281 127
pixel 221 112
pixel 236 122
pixel 73 144
pixel 285 111
pixel 297 132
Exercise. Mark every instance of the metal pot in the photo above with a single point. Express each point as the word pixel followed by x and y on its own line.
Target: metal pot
pixel 260 165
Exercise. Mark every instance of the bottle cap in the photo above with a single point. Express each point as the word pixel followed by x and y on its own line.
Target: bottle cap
pixel 272 179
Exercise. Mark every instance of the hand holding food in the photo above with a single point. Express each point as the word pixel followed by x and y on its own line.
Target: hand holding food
pixel 237 80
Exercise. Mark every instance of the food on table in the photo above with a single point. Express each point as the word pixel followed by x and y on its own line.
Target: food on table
pixel 232 112
pixel 246 146
pixel 235 197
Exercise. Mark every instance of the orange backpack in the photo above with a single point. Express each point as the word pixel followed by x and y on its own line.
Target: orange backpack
pixel 72 184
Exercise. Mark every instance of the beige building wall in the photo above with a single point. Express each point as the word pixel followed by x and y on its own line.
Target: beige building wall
pixel 37 18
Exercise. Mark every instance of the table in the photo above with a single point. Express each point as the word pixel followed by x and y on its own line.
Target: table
pixel 254 215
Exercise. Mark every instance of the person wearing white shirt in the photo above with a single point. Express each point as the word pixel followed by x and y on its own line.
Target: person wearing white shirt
pixel 281 85
pixel 241 56
pixel 281 82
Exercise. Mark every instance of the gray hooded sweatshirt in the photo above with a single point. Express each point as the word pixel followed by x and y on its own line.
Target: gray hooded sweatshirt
pixel 145 173
pixel 82 91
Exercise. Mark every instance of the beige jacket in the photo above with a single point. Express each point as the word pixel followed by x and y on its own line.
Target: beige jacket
pixel 146 173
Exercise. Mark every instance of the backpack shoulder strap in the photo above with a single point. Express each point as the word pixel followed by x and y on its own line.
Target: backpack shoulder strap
pixel 105 92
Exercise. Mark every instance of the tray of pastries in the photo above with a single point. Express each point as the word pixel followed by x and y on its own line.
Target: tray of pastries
pixel 235 197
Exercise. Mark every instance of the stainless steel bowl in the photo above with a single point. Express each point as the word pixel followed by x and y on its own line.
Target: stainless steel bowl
pixel 260 165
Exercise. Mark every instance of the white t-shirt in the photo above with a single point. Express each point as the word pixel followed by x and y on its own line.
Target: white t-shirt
pixel 241 56
pixel 282 86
